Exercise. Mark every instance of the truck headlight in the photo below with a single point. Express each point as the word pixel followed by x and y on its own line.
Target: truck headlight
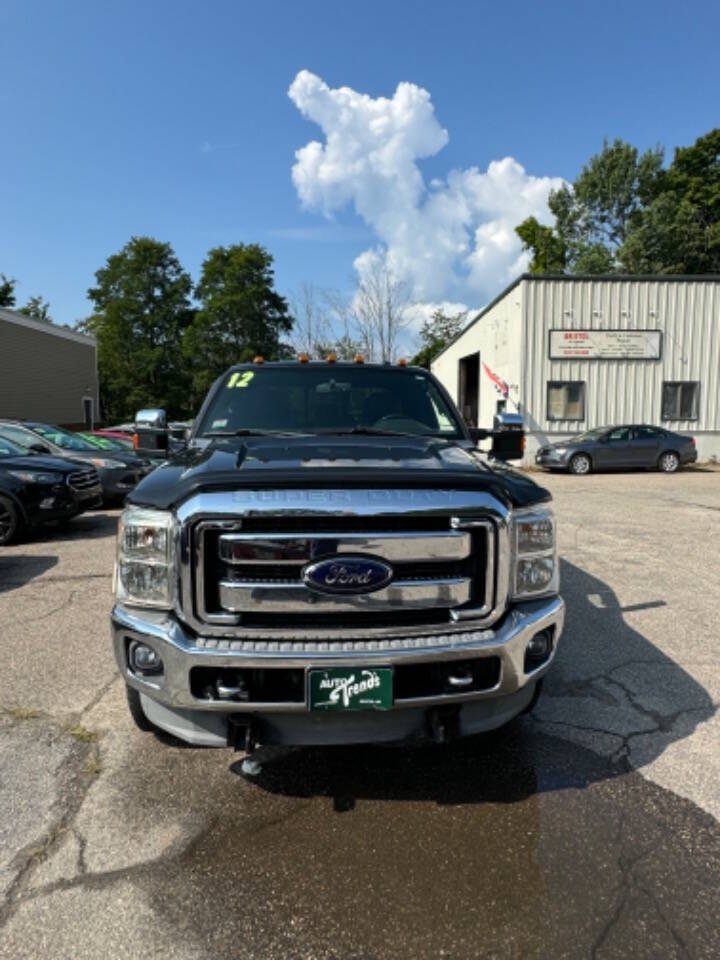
pixel 145 571
pixel 534 569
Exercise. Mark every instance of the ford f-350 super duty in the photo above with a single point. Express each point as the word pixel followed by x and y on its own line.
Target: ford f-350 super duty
pixel 331 559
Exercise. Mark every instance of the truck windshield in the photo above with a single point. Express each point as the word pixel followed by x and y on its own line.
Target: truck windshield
pixel 324 399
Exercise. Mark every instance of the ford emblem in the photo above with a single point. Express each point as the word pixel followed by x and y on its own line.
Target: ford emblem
pixel 342 574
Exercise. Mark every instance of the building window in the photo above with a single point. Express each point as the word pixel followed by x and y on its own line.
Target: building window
pixel 680 400
pixel 566 400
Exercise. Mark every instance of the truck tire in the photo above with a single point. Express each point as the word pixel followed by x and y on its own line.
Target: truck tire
pixel 137 712
pixel 11 522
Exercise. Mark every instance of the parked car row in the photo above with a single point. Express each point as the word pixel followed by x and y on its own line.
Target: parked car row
pixel 51 474
pixel 36 489
pixel 120 470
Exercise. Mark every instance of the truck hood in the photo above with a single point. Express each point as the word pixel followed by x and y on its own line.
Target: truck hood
pixel 333 462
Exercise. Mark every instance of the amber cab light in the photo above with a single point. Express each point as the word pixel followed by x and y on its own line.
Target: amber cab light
pixel 258 359
pixel 303 358
pixel 402 362
pixel 331 358
pixel 359 358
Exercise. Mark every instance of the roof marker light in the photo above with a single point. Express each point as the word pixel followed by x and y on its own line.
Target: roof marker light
pixel 402 362
pixel 359 358
pixel 331 358
pixel 303 357
pixel 259 359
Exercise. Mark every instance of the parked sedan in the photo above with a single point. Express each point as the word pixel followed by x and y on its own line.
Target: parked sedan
pixel 120 471
pixel 35 489
pixel 611 448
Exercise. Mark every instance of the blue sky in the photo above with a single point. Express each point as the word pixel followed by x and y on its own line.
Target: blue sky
pixel 173 118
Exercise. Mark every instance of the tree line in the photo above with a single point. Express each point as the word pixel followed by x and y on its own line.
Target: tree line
pixel 36 307
pixel 163 340
pixel 627 212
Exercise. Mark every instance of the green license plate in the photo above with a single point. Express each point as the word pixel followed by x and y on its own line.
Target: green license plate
pixel 351 688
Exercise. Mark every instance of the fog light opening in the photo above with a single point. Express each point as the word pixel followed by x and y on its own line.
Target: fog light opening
pixel 538 650
pixel 143 659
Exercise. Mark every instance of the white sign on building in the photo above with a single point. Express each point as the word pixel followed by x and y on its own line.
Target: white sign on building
pixel 605 344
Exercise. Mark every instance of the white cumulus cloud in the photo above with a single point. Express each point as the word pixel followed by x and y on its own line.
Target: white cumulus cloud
pixel 454 238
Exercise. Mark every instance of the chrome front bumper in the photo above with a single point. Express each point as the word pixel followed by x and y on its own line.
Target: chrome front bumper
pixel 181 651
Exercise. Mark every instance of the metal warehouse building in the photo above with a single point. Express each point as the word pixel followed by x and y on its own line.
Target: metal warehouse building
pixel 574 352
pixel 46 372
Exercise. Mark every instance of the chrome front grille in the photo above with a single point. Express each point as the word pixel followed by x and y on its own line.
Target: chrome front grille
pixel 443 572
pixel 83 479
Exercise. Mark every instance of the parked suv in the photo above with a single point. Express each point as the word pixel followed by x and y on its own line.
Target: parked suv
pixel 614 448
pixel 38 489
pixel 119 471
pixel 332 560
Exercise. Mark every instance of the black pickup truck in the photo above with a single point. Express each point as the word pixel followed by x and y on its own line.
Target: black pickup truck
pixel 331 559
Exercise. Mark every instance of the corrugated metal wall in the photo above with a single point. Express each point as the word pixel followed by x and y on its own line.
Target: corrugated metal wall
pixel 623 391
pixel 43 375
pixel 497 337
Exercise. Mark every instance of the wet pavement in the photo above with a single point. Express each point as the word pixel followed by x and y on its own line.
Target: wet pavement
pixel 586 830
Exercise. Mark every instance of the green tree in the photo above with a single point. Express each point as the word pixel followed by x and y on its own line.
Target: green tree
pixel 436 333
pixel 595 215
pixel 240 314
pixel 38 309
pixel 142 310
pixel 548 250
pixel 593 218
pixel 679 229
pixel 7 291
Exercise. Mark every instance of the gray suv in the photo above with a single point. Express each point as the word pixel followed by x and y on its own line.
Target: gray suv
pixel 120 471
pixel 616 448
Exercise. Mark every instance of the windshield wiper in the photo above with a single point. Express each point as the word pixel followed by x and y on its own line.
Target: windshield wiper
pixel 252 433
pixel 366 432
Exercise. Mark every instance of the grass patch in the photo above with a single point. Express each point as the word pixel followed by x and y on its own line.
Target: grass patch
pixel 81 733
pixel 18 714
pixel 93 767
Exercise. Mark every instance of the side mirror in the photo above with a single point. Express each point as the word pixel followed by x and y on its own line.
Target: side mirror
pixel 39 448
pixel 477 434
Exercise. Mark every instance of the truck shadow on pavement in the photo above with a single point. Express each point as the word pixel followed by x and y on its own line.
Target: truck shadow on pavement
pixel 18 569
pixel 536 841
pixel 613 702
pixel 86 526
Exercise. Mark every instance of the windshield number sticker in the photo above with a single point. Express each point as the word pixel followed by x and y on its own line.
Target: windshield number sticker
pixel 240 379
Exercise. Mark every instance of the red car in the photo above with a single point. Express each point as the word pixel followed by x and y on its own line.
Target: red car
pixel 124 438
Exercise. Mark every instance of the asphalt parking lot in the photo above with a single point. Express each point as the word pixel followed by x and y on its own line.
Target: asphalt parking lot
pixel 587 830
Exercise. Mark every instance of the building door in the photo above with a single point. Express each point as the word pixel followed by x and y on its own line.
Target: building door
pixel 88 418
pixel 469 388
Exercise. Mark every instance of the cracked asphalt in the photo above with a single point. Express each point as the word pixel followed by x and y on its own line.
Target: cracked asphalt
pixel 589 829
